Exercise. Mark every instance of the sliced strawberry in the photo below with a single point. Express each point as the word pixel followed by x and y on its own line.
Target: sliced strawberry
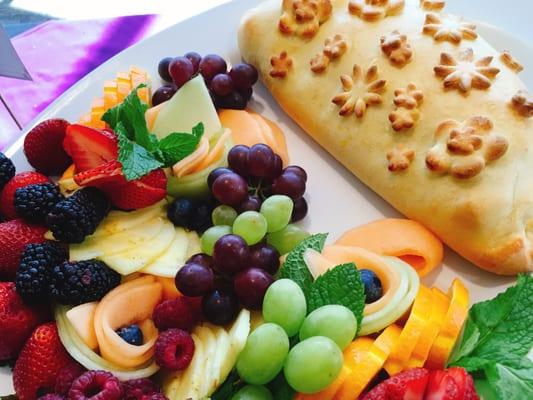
pixel 470 389
pixel 88 147
pixel 408 385
pixel 109 172
pixel 379 392
pixel 443 386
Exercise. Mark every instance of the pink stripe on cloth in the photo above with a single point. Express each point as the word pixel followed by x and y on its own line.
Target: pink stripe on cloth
pixel 59 53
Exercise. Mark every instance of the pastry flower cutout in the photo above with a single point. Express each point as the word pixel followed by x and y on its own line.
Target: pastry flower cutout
pixel 432 4
pixel 463 149
pixel 448 28
pixel 522 102
pixel 407 101
pixel 280 65
pixel 373 10
pixel 464 73
pixel 304 17
pixel 399 158
pixel 334 48
pixel 360 90
pixel 396 48
pixel 511 62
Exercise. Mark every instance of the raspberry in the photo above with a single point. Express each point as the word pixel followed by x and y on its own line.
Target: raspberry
pixel 136 389
pixel 174 349
pixel 96 385
pixel 51 396
pixel 66 376
pixel 176 313
pixel 154 396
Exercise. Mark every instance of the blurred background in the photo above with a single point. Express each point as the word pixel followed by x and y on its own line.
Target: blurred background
pixel 54 36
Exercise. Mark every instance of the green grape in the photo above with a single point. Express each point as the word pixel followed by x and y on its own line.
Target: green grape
pixel 251 226
pixel 332 321
pixel 287 239
pixel 223 215
pixel 313 364
pixel 277 210
pixel 263 355
pixel 284 304
pixel 211 235
pixel 253 392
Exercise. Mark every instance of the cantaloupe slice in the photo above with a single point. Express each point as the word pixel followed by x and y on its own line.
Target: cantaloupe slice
pixel 82 320
pixel 244 128
pixel 281 141
pixel 365 358
pixel 451 328
pixel 411 332
pixel 189 163
pixel 169 287
pixel 401 238
pixel 151 114
pixel 440 306
pixel 131 302
pixel 215 153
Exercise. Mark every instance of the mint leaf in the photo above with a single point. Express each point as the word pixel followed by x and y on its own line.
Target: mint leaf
pixel 340 285
pixel 295 267
pixel 136 160
pixel 177 146
pixel 497 339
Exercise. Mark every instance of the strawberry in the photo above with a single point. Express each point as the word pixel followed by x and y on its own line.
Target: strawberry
pixel 39 362
pixel 89 147
pixel 7 196
pixel 379 392
pixel 14 236
pixel 17 321
pixel 450 384
pixel 127 195
pixel 43 147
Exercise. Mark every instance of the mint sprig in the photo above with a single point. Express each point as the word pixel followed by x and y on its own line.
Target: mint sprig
pixel 139 150
pixel 497 341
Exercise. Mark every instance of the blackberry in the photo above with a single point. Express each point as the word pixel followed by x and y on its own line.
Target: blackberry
pixel 81 282
pixel 34 202
pixel 78 216
pixel 7 170
pixel 36 264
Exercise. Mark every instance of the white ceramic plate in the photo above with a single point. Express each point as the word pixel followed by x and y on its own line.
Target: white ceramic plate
pixel 338 200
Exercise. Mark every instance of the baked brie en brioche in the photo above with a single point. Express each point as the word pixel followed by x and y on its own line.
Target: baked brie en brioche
pixel 417 105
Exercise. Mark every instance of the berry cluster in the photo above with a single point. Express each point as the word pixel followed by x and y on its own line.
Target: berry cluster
pixel 228 89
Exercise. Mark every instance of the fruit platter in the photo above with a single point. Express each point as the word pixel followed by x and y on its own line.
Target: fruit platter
pixel 169 233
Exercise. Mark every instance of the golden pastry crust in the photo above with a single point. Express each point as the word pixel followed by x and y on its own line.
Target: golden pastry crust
pixel 480 203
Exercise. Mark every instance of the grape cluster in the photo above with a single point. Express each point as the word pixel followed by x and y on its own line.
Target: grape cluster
pixel 236 274
pixel 228 89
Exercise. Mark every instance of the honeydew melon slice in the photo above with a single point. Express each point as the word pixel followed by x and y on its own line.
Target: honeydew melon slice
pixel 79 351
pixel 208 338
pixel 172 259
pixel 132 239
pixel 223 344
pixel 137 258
pixel 190 105
pixel 194 244
pixel 238 335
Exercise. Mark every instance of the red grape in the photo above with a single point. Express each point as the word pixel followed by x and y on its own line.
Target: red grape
pixel 244 76
pixel 276 167
pixel 220 307
pixel 265 256
pixel 215 174
pixel 231 254
pixel 195 59
pixel 299 210
pixel 181 70
pixel 233 101
pixel 194 279
pixel 162 68
pixel 221 85
pixel 163 94
pixel 260 160
pixel 211 65
pixel 238 159
pixel 252 203
pixel 246 93
pixel 230 189
pixel 289 184
pixel 295 169
pixel 202 259
pixel 251 285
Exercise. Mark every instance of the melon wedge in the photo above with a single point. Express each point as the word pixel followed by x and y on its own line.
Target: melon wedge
pixel 223 343
pixel 131 302
pixel 193 160
pixel 82 320
pixel 401 238
pixel 451 328
pixel 216 152
pixel 172 259
pixel 169 287
pixel 274 137
pixel 208 338
pixel 244 128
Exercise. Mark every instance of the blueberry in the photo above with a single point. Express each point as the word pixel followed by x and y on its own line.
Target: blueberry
pixel 181 212
pixel 373 287
pixel 202 216
pixel 131 334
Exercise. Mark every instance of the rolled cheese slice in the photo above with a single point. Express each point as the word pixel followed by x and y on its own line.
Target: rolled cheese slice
pixel 417 105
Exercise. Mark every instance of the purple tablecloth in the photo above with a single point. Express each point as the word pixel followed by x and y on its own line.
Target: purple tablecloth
pixel 57 54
